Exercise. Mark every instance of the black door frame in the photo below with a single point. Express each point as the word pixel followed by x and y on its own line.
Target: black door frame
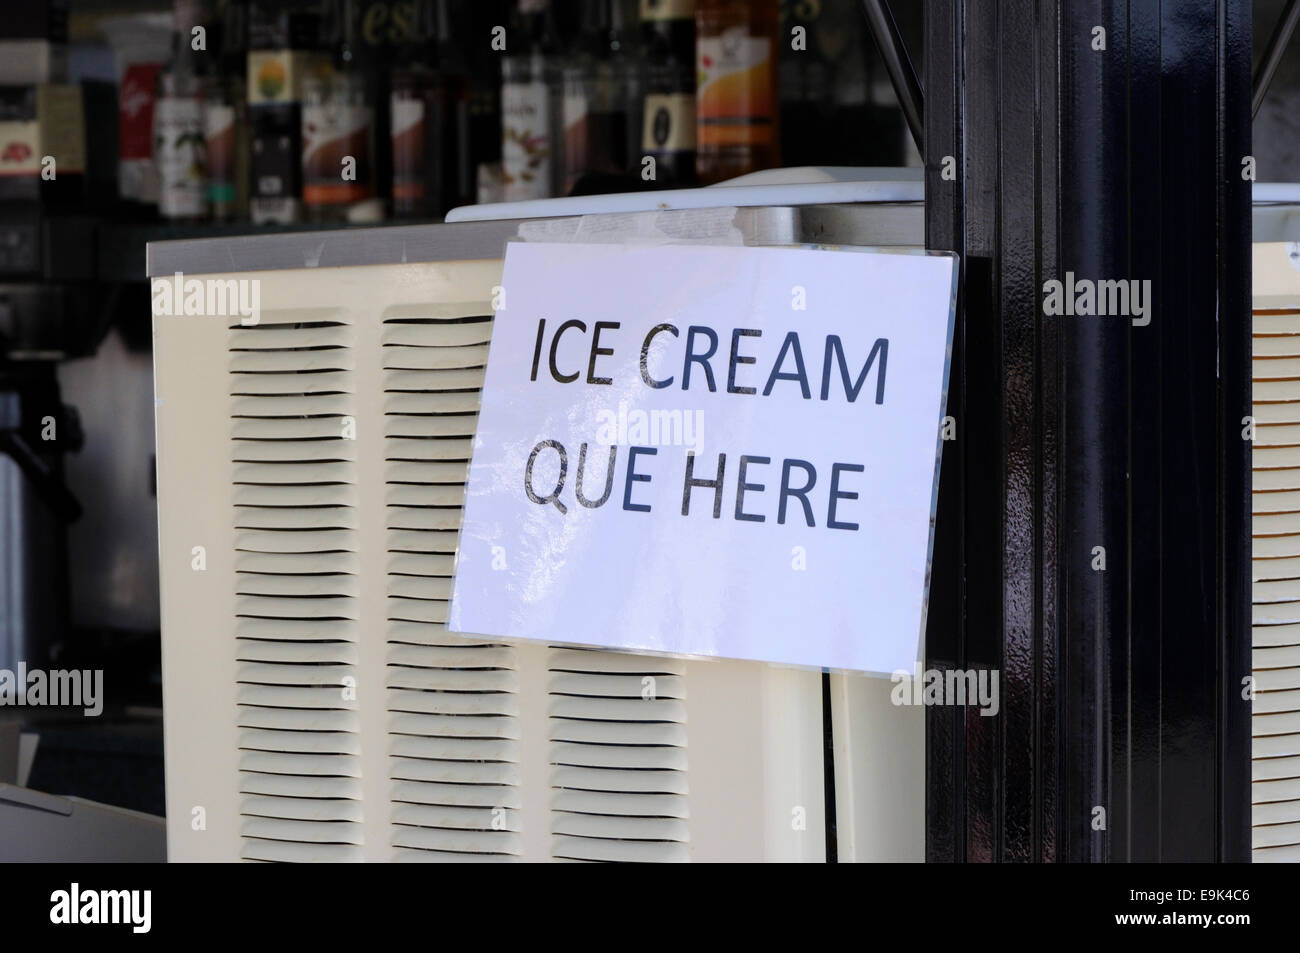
pixel 1122 688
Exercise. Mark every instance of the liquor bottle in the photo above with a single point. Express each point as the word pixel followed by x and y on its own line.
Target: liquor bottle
pixel 668 124
pixel 856 123
pixel 141 45
pixel 179 149
pixel 415 116
pixel 529 115
pixel 429 118
pixel 384 33
pixel 479 19
pixel 599 93
pixel 337 130
pixel 225 116
pixel 737 120
pixel 822 93
pixel 282 38
pixel 455 80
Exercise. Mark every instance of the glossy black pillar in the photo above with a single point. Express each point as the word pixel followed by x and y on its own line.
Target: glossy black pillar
pixel 1103 138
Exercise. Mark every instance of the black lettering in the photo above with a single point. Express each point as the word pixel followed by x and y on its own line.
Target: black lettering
pixel 555 344
pixel 701 359
pixel 634 477
pixel 692 482
pixel 788 491
pixel 791 342
pixel 553 497
pixel 645 351
pixel 609 478
pixel 736 335
pixel 834 347
pixel 598 351
pixel 742 486
pixel 537 348
pixel 838 494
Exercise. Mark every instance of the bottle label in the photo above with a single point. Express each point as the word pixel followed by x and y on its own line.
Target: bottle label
pixel 137 179
pixel 669 124
pixel 20 147
pixel 408 148
pixel 654 10
pixel 135 102
pixel 273 211
pixel 736 96
pixel 219 134
pixel 276 76
pixel 179 153
pixel 269 211
pixel 335 154
pixel 526 143
pixel 575 107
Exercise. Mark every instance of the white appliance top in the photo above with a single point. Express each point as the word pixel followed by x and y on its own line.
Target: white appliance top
pixel 805 185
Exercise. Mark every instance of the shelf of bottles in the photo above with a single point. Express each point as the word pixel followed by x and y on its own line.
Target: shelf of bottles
pixel 284 112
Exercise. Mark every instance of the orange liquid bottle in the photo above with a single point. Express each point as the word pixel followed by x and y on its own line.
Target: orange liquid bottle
pixel 737 117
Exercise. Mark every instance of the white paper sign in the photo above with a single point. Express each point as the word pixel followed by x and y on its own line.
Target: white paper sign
pixel 811 382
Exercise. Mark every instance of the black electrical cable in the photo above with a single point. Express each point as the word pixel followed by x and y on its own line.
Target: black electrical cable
pixel 1277 44
pixel 901 72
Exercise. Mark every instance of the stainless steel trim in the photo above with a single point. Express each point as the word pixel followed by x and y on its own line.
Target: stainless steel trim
pixel 329 249
pixel 875 225
pixel 1276 223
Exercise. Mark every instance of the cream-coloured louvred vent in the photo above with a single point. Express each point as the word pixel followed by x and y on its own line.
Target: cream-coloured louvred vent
pixel 311 476
pixel 1276 556
pixel 619 750
pixel 295 562
pixel 453 702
